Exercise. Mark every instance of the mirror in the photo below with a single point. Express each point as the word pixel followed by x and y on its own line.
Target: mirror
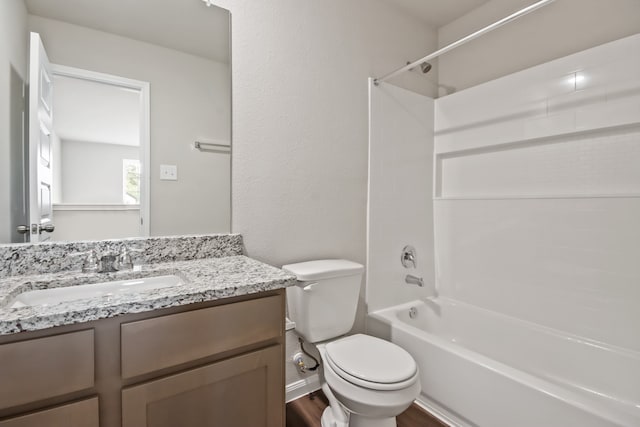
pixel 139 137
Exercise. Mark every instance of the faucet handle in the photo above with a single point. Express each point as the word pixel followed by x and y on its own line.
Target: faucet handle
pixel 124 259
pixel 90 263
pixel 408 257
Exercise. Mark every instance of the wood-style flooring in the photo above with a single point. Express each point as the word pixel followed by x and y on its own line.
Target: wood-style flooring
pixel 307 410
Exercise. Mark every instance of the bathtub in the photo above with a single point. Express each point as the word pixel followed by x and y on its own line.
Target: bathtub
pixel 481 368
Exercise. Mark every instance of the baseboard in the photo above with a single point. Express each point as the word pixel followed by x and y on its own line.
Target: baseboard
pixel 302 387
pixel 443 415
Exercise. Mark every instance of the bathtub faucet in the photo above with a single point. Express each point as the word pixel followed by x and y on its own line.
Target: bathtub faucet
pixel 408 257
pixel 414 280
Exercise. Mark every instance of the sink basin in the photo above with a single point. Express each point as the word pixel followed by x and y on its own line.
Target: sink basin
pixel 46 297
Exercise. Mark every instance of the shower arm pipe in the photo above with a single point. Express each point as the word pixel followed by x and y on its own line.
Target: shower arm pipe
pixel 464 40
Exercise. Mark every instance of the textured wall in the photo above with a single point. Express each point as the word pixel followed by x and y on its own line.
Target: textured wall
pixel 300 74
pixel 300 70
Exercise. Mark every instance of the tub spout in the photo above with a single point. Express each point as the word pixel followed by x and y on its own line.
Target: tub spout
pixel 414 280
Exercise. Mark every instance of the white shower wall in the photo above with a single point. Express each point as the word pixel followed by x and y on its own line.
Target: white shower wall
pixel 537 191
pixel 400 208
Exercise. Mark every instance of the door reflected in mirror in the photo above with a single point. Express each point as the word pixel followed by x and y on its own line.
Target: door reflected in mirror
pixel 133 86
pixel 99 150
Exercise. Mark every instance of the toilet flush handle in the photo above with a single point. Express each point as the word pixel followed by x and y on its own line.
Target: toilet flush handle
pixel 309 287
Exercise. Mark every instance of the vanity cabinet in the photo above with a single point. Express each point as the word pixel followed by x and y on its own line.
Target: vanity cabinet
pixel 200 365
pixel 79 414
pixel 155 344
pixel 46 367
pixel 240 391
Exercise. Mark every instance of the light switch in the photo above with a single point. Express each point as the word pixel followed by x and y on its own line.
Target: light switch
pixel 168 172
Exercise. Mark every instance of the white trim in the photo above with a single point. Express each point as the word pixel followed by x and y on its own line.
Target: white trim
pixel 145 132
pixel 302 387
pixel 94 207
pixel 94 76
pixel 443 415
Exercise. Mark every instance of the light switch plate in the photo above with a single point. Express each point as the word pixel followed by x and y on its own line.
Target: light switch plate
pixel 168 172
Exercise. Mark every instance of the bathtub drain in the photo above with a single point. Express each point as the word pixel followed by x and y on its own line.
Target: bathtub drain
pixel 413 312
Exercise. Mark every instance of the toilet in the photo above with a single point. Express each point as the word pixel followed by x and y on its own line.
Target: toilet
pixel 368 381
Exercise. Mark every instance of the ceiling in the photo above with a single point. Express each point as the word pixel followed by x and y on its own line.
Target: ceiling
pixel 186 25
pixel 190 26
pixel 437 13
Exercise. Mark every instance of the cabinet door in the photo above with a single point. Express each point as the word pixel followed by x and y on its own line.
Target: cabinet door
pixel 78 414
pixel 42 368
pixel 243 391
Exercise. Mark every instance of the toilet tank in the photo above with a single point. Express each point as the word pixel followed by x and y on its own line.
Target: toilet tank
pixel 323 303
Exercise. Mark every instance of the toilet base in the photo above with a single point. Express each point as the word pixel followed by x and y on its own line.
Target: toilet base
pixel 360 421
pixel 355 420
pixel 328 420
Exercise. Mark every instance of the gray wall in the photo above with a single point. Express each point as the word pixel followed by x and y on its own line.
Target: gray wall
pixel 92 172
pixel 300 120
pixel 300 124
pixel 95 224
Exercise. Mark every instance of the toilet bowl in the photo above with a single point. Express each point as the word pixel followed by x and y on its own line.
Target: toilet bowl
pixel 368 381
pixel 372 379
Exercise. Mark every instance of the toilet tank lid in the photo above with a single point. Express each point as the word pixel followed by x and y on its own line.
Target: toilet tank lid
pixel 323 269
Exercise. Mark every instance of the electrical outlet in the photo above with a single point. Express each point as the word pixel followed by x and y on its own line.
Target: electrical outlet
pixel 168 172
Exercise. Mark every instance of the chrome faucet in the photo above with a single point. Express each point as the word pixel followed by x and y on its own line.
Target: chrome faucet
pixel 108 263
pixel 414 280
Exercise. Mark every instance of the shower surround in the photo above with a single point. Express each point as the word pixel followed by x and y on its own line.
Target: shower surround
pixel 536 200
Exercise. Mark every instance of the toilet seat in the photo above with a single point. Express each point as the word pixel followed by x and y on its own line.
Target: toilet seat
pixel 371 363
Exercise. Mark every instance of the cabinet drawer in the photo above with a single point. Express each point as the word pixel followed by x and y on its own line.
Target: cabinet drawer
pixel 154 344
pixel 246 390
pixel 79 414
pixel 45 367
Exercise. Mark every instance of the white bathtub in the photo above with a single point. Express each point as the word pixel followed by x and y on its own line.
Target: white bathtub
pixel 480 368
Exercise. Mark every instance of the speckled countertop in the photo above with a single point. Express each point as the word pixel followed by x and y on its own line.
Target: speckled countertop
pixel 204 280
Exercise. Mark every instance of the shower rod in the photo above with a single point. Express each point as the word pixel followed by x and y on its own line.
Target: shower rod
pixel 464 40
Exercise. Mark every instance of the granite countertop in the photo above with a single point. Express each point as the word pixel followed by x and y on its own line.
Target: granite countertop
pixel 204 280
